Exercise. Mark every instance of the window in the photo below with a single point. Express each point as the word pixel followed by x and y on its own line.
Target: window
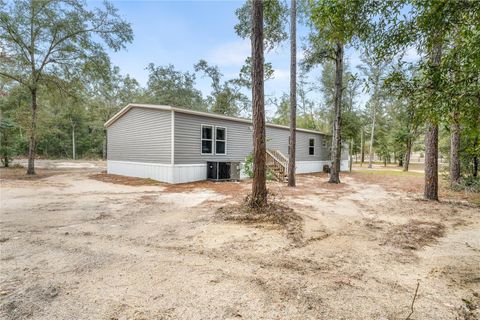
pixel 324 142
pixel 207 139
pixel 311 147
pixel 220 140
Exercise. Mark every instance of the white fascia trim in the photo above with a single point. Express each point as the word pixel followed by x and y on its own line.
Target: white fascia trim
pixel 200 113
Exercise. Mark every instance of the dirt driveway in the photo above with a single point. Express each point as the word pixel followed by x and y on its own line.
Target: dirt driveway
pixel 76 244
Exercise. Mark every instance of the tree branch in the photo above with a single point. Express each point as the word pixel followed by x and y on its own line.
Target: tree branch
pixel 18 40
pixel 6 75
pixel 49 51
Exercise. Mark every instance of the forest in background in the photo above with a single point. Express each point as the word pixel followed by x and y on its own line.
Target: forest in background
pixel 77 88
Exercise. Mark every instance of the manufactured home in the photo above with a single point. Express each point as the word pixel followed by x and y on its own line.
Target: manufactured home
pixel 176 145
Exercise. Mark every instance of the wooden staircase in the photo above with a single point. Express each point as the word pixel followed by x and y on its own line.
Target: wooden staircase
pixel 277 163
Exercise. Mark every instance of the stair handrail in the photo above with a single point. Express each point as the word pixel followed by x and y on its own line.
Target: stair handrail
pixel 272 154
pixel 284 157
pixel 277 156
pixel 280 157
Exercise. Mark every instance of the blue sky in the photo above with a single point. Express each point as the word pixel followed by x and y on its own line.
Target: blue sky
pixel 183 32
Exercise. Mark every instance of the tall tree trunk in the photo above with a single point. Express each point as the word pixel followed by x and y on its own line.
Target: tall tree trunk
pixel 337 139
pixel 370 153
pixel 351 155
pixel 32 143
pixel 431 162
pixel 475 144
pixel 431 140
pixel 475 159
pixel 454 149
pixel 259 185
pixel 408 152
pixel 74 147
pixel 4 142
pixel 362 146
pixel 475 166
pixel 293 92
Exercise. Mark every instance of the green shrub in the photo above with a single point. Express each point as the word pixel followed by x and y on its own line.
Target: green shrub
pixel 248 168
pixel 469 184
pixel 8 143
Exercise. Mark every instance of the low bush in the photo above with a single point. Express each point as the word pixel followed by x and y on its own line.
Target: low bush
pixel 468 184
pixel 248 168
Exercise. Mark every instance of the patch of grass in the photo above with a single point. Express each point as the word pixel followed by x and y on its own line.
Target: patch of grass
pixel 19 173
pixel 388 172
pixel 469 184
pixel 475 201
pixel 467 189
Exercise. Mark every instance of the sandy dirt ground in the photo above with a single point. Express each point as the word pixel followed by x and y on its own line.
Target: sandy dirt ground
pixel 79 244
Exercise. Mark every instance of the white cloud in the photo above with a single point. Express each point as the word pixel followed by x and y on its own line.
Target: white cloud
pixel 354 59
pixel 301 54
pixel 281 74
pixel 231 53
pixel 279 84
pixel 411 55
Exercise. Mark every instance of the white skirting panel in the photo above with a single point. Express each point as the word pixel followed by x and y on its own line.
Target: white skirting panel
pixel 310 166
pixel 344 165
pixel 317 166
pixel 181 173
pixel 162 172
pixel 189 172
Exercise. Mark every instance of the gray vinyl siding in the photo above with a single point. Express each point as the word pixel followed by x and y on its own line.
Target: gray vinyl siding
pixel 141 135
pixel 277 139
pixel 239 140
pixel 188 139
